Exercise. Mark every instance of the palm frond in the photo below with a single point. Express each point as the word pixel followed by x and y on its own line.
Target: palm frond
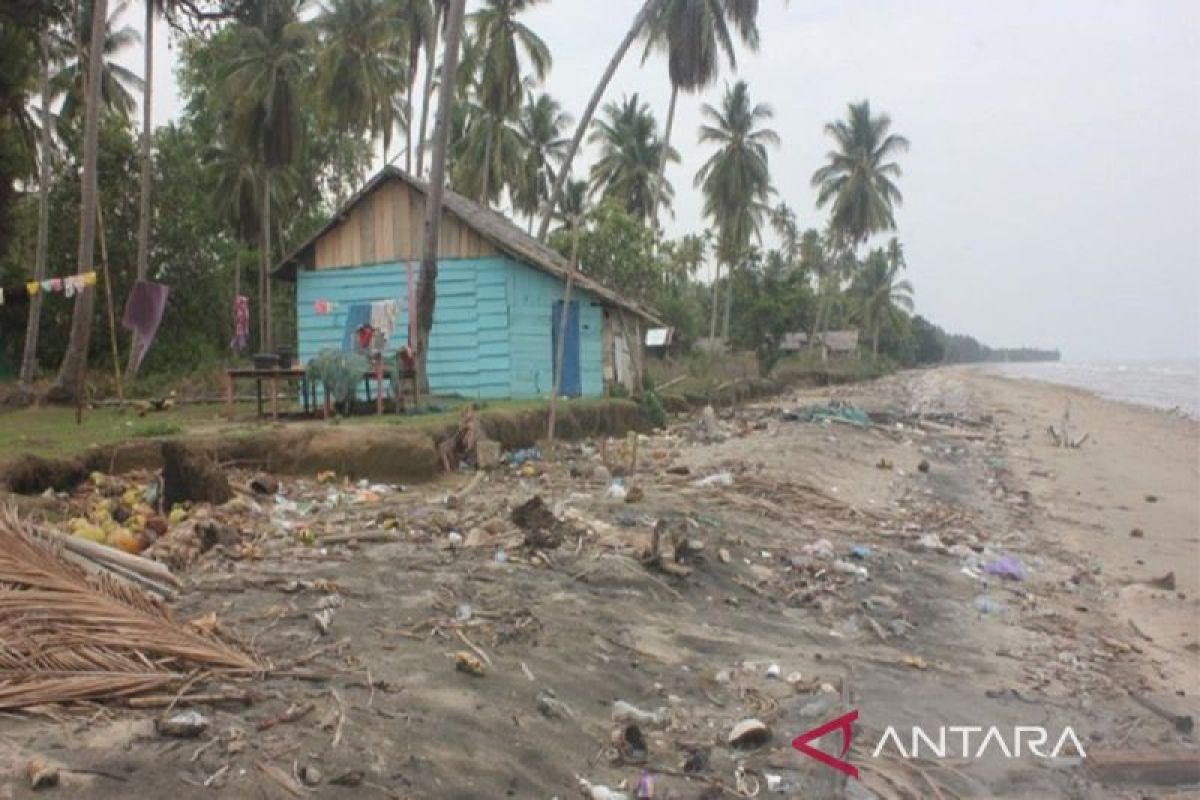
pixel 69 635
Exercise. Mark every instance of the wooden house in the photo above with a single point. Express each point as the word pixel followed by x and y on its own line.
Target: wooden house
pixel 499 296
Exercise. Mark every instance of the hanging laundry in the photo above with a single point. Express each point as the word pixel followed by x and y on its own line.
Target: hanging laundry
pixel 357 315
pixel 383 316
pixel 69 285
pixel 143 314
pixel 241 323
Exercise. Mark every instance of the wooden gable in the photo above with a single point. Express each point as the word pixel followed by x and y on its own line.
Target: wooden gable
pixel 386 226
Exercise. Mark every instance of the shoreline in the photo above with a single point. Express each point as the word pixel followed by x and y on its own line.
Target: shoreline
pixel 1177 410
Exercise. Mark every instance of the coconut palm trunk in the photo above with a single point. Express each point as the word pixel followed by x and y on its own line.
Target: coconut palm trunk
pixel 29 354
pixel 427 285
pixel 487 168
pixel 712 320
pixel 728 303
pixel 143 244
pixel 666 151
pixel 68 386
pixel 560 180
pixel 408 126
pixel 264 268
pixel 427 92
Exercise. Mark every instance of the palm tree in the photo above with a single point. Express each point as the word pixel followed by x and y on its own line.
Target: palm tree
pixel 487 155
pixel 439 9
pixel 69 46
pixel 879 294
pixel 635 30
pixel 69 383
pixel 143 244
pixel 858 177
pixel 359 72
pixel 630 152
pixel 541 127
pixel 501 38
pixel 857 180
pixel 263 79
pixel 694 33
pixel 418 24
pixel 575 207
pixel 736 179
pixel 29 352
pixel 427 285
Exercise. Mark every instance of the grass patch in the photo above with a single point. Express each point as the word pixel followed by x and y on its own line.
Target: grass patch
pixel 154 430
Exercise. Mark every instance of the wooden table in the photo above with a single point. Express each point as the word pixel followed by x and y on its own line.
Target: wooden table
pixel 308 389
pixel 272 376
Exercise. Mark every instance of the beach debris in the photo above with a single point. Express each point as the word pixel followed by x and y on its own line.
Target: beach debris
pixel 835 411
pixel 1151 498
pixel 311 775
pixel 549 706
pixel 1166 582
pixel 634 494
pixel 616 490
pixel 41 773
pixel 821 549
pixel 848 568
pixel 749 734
pixel 468 662
pixel 774 671
pixel 543 530
pixel 1137 533
pixel 645 787
pixel 628 713
pixel 352 778
pixel 1062 435
pixel 1008 567
pixel 885 463
pixel 923 466
pixel 630 744
pixel 182 725
pixel 70 635
pixel 1159 766
pixel 989 606
pixel 595 791
pixel 860 551
pixel 717 479
pixel 265 485
pixel 190 475
pixel 519 457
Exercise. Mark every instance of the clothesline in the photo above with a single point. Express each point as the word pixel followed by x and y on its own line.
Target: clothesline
pixel 69 286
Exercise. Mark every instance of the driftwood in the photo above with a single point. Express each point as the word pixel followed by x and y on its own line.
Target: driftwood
pixel 125 564
pixel 1062 436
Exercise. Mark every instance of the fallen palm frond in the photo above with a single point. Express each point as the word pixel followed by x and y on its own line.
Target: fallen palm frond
pixel 68 635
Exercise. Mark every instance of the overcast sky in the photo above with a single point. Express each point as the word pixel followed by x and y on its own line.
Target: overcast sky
pixel 1052 193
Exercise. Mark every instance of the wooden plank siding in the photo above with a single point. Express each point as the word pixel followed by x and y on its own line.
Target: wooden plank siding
pixel 468 348
pixel 386 226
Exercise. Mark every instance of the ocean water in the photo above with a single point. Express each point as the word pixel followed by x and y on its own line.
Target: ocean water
pixel 1157 384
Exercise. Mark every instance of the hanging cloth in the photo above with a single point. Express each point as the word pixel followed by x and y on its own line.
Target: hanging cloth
pixel 357 315
pixel 143 314
pixel 384 314
pixel 241 323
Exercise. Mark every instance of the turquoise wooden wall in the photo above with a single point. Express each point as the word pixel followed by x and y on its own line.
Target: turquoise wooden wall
pixel 491 333
pixel 532 296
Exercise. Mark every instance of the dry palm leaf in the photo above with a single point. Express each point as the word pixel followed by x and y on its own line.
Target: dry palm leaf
pixel 67 634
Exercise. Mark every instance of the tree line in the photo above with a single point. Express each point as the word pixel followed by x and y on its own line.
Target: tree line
pixel 284 104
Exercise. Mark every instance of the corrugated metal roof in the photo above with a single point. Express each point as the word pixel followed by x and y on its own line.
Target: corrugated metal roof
pixel 491 225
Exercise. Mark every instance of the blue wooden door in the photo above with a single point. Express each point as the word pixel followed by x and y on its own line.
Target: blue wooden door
pixel 572 384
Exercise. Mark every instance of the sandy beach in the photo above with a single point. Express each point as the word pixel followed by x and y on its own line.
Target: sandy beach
pixel 822 568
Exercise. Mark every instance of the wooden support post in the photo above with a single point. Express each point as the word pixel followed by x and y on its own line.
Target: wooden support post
pixel 228 395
